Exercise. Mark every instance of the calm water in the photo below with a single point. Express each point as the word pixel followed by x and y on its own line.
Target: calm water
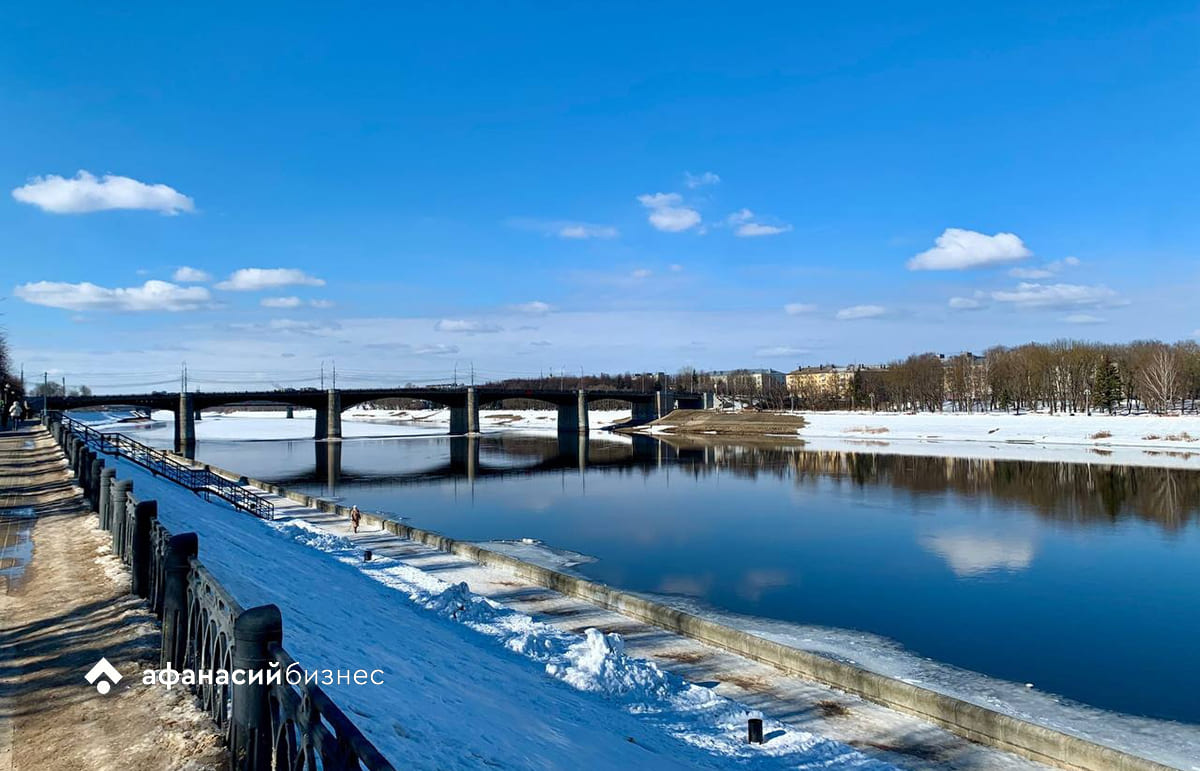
pixel 1080 578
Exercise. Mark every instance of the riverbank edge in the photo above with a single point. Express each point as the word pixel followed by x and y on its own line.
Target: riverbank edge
pixel 971 721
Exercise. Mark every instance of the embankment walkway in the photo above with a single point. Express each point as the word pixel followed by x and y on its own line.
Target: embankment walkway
pixel 64 603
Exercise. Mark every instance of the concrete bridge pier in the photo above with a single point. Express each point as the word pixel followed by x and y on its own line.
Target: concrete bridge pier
pixel 291 412
pixel 329 417
pixel 664 402
pixel 644 412
pixel 185 425
pixel 573 418
pixel 464 420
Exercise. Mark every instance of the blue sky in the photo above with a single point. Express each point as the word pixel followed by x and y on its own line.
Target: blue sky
pixel 525 188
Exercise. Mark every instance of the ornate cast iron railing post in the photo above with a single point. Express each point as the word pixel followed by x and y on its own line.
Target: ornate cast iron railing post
pixel 144 516
pixel 120 493
pixel 105 507
pixel 254 631
pixel 180 550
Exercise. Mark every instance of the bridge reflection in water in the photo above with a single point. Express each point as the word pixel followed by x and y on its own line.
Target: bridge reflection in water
pixel 472 458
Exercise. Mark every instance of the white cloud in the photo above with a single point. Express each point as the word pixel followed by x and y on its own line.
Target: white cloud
pixel 861 312
pixel 964 303
pixel 186 275
pixel 694 181
pixel 583 230
pixel 779 351
pixel 752 229
pixel 746 227
pixel 151 296
pixel 564 228
pixel 1083 318
pixel 321 303
pixel 462 326
pixel 667 212
pixel 958 249
pixel 641 273
pixel 1031 273
pixel 676 268
pixel 1033 295
pixel 256 279
pixel 795 309
pixel 85 193
pixel 1046 271
pixel 534 306
pixel 281 302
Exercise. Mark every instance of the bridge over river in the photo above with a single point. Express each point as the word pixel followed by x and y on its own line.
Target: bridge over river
pixel 464 403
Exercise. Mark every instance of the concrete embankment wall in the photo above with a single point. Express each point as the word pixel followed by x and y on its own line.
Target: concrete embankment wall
pixel 971 721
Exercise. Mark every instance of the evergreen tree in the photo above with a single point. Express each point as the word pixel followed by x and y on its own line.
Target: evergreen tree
pixel 1108 386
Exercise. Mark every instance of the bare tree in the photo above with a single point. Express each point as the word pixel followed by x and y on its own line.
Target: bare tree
pixel 1158 379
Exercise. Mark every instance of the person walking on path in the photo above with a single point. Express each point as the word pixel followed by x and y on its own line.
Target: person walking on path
pixel 355 517
pixel 14 414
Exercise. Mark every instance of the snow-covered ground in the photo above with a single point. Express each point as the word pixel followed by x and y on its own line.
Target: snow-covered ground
pixel 469 683
pixel 1140 440
pixel 488 419
pixel 356 424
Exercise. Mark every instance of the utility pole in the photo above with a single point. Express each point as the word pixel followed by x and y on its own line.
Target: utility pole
pixel 335 374
pixel 472 374
pixel 45 391
pixel 322 374
pixel 64 381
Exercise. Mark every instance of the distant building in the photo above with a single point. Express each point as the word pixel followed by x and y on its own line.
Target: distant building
pixel 746 380
pixel 826 379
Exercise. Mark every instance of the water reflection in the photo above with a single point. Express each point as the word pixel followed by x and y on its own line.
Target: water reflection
pixel 1067 492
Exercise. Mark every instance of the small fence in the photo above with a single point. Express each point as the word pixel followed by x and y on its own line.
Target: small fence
pixel 161 463
pixel 270 725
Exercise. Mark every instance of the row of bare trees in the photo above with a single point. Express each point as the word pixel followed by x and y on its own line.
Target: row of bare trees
pixel 1062 376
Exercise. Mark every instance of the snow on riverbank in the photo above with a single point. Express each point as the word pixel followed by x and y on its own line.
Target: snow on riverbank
pixel 356 423
pixel 488 419
pixel 468 683
pixel 1139 440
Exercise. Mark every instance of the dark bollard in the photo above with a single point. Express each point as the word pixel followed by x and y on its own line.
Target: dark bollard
pixel 253 632
pixel 367 555
pixel 119 515
pixel 754 730
pixel 176 567
pixel 105 507
pixel 144 516
pixel 85 467
pixel 94 481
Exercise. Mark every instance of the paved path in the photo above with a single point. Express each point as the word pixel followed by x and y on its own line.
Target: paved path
pixel 64 603
pixel 900 739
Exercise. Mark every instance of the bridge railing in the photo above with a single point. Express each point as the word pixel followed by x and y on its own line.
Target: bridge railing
pixel 161 463
pixel 272 722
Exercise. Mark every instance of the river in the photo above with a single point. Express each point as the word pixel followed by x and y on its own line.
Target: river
pixel 1078 579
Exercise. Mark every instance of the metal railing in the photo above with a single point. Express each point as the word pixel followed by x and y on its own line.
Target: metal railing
pixel 161 463
pixel 270 725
